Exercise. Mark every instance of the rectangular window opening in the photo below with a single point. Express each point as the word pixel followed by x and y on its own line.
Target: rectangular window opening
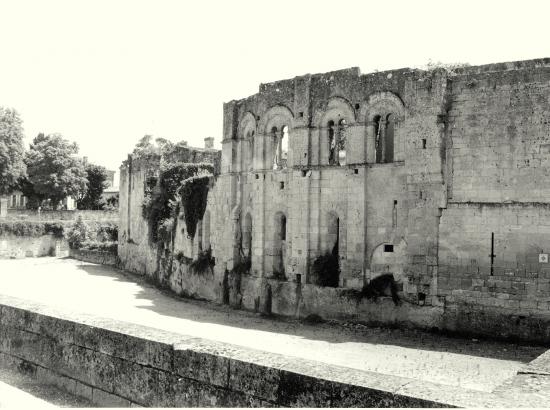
pixel 281 185
pixel 423 143
pixel 257 176
pixel 388 248
pixel 301 114
pixel 356 171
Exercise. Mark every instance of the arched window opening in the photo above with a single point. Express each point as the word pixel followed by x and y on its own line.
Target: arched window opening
pixel 247 236
pixel 279 251
pixel 284 147
pixel 378 139
pixel 341 142
pixel 331 143
pixel 206 231
pixel 390 131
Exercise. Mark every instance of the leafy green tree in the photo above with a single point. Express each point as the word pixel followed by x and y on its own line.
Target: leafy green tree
pixel 144 147
pixel 33 199
pixel 53 168
pixel 97 182
pixel 12 151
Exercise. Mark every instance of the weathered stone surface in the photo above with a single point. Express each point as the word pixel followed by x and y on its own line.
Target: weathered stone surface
pixel 212 374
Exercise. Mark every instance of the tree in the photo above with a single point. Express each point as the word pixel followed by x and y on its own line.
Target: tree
pixel 97 182
pixel 144 147
pixel 53 168
pixel 12 151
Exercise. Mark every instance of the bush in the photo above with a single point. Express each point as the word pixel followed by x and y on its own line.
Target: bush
pixel 79 234
pixel 107 231
pixel 326 270
pixel 32 229
pixel 108 246
pixel 204 262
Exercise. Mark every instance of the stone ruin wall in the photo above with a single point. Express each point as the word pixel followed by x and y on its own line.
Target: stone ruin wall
pixel 470 149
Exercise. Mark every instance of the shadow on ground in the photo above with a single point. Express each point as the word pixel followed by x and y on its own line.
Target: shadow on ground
pixel 166 303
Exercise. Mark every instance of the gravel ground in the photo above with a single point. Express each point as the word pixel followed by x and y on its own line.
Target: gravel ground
pixel 21 391
pixel 107 292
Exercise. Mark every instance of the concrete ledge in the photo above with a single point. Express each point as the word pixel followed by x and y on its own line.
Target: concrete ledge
pixel 122 364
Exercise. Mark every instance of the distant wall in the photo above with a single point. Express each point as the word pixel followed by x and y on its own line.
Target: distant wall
pixel 87 215
pixel 12 246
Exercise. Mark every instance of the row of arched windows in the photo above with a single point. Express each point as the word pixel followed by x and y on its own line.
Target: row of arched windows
pixel 384 134
pixel 331 245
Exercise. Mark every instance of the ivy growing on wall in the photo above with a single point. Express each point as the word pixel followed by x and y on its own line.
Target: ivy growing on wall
pixel 175 185
pixel 193 193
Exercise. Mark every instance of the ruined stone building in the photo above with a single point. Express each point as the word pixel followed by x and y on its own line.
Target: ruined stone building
pixel 438 177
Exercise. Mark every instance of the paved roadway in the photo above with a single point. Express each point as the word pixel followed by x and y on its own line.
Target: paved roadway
pixel 107 292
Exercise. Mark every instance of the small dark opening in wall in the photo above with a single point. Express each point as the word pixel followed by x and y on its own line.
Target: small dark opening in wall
pixel 388 248
pixel 356 106
pixel 264 176
pixel 257 118
pixel 301 114
pixel 395 201
pixel 298 278
pixel 421 297
pixel 420 195
pixel 304 172
pixel 423 143
pixel 257 176
pixel 356 171
pixel 282 185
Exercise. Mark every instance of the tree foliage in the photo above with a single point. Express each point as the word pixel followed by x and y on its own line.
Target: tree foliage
pixel 53 168
pixel 12 151
pixel 97 182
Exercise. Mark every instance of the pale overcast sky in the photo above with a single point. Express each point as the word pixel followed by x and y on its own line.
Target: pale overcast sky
pixel 104 73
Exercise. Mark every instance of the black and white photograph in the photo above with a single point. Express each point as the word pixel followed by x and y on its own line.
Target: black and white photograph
pixel 291 203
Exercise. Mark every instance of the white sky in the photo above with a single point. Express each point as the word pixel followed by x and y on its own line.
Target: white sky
pixel 104 73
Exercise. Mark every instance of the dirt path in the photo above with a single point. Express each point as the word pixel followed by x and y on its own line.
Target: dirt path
pixel 107 292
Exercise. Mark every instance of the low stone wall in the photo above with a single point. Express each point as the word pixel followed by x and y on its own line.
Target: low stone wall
pixel 119 364
pixel 17 247
pixel 87 215
pixel 94 256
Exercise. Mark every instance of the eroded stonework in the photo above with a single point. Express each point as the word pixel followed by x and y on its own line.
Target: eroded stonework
pixel 433 176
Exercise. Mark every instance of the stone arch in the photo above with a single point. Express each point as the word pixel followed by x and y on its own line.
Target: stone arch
pixel 389 257
pixel 382 103
pixel 276 118
pixel 335 109
pixel 246 123
pixel 332 122
pixel 246 132
pixel 382 113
